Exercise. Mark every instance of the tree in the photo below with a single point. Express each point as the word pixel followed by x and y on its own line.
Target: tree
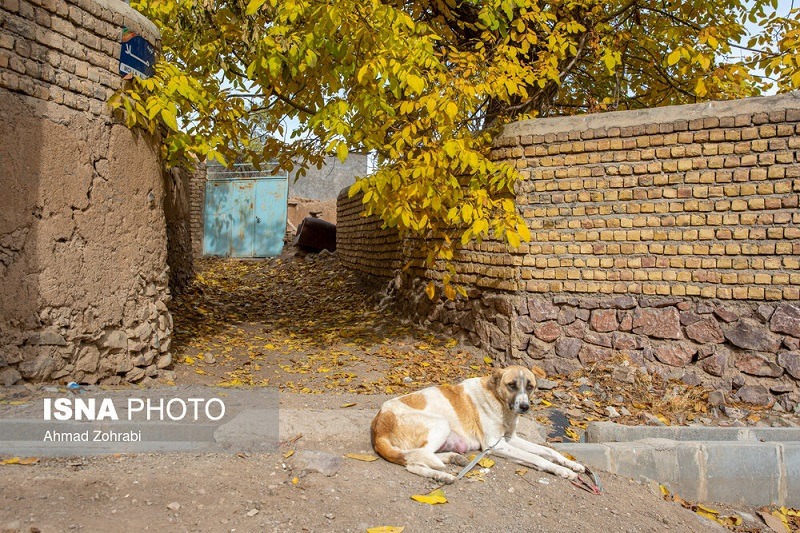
pixel 425 85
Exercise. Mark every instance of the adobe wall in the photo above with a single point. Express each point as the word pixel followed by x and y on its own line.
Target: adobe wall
pixel 83 244
pixel 177 212
pixel 671 235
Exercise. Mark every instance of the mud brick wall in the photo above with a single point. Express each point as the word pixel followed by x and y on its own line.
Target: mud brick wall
pixel 83 253
pixel 177 209
pixel 669 235
pixel 362 243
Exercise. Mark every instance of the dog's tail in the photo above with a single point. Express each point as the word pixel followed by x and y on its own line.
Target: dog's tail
pixel 382 426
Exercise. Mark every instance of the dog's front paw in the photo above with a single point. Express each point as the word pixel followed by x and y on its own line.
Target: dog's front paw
pixel 576 467
pixel 566 474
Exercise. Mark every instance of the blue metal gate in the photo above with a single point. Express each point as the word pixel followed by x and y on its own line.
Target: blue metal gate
pixel 244 213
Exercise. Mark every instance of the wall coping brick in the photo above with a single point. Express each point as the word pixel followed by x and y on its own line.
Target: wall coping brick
pixel 614 120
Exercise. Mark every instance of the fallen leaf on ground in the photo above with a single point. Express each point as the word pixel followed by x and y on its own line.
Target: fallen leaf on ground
pixel 288 454
pixel 348 404
pixel 20 461
pixel 386 529
pixel 361 457
pixel 432 498
pixel 486 462
pixel 773 522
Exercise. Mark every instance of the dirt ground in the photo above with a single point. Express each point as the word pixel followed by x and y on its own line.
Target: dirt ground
pixel 224 492
pixel 308 327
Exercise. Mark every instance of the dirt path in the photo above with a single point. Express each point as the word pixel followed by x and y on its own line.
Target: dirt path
pixel 304 324
pixel 309 328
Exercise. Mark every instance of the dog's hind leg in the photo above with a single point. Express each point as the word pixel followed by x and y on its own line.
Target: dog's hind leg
pixel 425 463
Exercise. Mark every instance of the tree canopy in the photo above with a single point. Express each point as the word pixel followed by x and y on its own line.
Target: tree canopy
pixel 425 85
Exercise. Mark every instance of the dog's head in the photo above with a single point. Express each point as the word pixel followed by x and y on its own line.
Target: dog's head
pixel 513 386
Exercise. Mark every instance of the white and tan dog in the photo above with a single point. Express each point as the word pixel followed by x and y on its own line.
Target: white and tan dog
pixel 426 429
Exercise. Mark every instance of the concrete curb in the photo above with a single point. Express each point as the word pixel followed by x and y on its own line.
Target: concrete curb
pixel 755 466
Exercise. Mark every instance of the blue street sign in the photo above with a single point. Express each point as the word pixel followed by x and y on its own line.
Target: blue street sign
pixel 136 57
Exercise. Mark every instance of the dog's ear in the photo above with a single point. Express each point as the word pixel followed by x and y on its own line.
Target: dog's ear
pixel 497 375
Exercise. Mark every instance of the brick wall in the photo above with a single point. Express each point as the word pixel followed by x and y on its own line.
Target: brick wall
pixel 197 198
pixel 83 239
pixel 671 235
pixel 361 243
pixel 701 203
pixel 66 52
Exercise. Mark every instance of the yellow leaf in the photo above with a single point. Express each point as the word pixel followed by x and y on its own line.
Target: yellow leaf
pixel 342 152
pixel 449 292
pixel 416 83
pixel 571 434
pixel 169 119
pixel 521 471
pixel 664 491
pixel 707 510
pixel 386 529
pixel 487 360
pixel 674 57
pixel 432 498
pixel 513 239
pixel 18 461
pixel 361 457
pixel 451 109
pixel 524 231
pixel 430 290
pixel 486 462
pixel 188 360
pixel 348 404
pixel 254 6
pixel 700 89
pixel 546 403
pixel 288 454
pixel 295 480
pixel 466 212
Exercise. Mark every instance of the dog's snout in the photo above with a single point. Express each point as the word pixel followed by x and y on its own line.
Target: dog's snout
pixel 523 408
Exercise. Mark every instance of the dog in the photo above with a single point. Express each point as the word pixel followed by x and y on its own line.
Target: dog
pixel 428 429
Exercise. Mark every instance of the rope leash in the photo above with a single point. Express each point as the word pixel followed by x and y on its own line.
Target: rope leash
pixel 471 465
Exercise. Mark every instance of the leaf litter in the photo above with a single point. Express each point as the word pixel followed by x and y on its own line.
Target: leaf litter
pixel 304 325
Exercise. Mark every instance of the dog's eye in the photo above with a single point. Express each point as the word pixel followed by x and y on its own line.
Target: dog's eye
pixel 512 386
pixel 529 387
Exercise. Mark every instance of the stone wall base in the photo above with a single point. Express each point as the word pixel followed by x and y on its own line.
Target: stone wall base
pixel 746 349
